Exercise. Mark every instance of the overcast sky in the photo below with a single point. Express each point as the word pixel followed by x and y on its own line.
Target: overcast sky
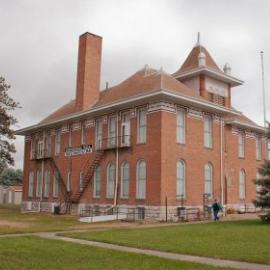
pixel 39 45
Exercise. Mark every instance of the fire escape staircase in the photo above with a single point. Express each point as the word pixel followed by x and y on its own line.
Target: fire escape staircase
pixel 87 177
pixel 62 184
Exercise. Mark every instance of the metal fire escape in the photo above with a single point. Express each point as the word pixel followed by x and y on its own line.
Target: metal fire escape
pixel 107 144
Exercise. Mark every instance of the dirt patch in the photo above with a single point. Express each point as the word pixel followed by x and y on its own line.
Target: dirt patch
pixel 13 224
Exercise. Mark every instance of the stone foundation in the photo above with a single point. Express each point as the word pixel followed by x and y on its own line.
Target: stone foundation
pixel 136 212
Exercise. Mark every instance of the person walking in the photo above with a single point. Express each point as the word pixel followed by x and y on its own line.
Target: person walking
pixel 216 208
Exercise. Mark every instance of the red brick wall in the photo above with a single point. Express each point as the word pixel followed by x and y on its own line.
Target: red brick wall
pixel 161 153
pixel 233 165
pixel 195 156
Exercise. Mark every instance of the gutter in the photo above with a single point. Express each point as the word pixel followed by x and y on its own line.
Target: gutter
pixel 206 70
pixel 244 125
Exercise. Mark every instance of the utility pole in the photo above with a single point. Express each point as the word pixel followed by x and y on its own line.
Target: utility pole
pixel 263 92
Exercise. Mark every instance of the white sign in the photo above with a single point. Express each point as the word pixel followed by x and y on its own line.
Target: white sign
pixel 80 150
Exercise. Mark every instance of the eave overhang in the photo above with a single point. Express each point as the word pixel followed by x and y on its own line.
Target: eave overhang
pixel 242 125
pixel 210 72
pixel 162 94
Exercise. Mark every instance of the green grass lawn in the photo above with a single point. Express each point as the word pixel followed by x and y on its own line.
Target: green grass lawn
pixel 237 240
pixel 13 221
pixel 26 253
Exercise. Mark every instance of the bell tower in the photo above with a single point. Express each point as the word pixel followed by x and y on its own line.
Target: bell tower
pixel 201 73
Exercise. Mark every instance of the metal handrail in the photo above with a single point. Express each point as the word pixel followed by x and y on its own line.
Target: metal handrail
pixel 43 153
pixel 118 142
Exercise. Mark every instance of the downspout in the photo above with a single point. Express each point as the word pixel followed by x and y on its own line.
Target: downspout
pixel 221 161
pixel 116 162
pixel 42 172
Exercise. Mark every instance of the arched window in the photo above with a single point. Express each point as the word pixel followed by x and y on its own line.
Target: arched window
pixel 69 181
pixel 110 180
pixel 55 184
pixel 47 184
pixel 97 183
pixel 208 179
pixel 141 179
pixel 181 178
pixel 31 184
pixel 258 177
pixel 81 181
pixel 242 184
pixel 124 179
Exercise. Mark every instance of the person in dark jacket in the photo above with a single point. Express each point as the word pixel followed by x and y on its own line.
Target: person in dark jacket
pixel 216 208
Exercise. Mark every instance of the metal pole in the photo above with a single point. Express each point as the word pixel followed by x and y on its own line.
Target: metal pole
pixel 221 163
pixel 166 207
pixel 116 162
pixel 263 92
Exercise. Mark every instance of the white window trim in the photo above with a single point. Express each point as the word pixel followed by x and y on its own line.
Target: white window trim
pixel 48 144
pixel 122 195
pixel 180 126
pixel 258 146
pixel 110 196
pixel 125 129
pixel 208 134
pixel 69 181
pixel 138 181
pixel 95 181
pixel 210 166
pixel 98 133
pixel 112 139
pixel 58 143
pixel 82 134
pixel 140 127
pixel 38 184
pixel 241 145
pixel 242 184
pixel 47 184
pixel 81 181
pixel 31 184
pixel 178 180
pixel 55 180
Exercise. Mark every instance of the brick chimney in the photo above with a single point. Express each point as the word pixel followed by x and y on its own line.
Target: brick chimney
pixel 88 71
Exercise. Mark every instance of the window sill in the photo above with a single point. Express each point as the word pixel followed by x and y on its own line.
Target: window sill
pixel 182 144
pixel 141 143
pixel 179 198
pixel 241 157
pixel 124 198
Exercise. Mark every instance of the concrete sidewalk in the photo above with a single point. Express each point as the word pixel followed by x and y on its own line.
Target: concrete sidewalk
pixel 166 255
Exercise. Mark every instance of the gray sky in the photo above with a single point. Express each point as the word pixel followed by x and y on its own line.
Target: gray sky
pixel 39 45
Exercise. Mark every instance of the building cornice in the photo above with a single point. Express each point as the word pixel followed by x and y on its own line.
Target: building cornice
pixel 120 104
pixel 207 71
pixel 240 124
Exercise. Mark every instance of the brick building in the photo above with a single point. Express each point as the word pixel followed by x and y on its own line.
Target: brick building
pixel 153 138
